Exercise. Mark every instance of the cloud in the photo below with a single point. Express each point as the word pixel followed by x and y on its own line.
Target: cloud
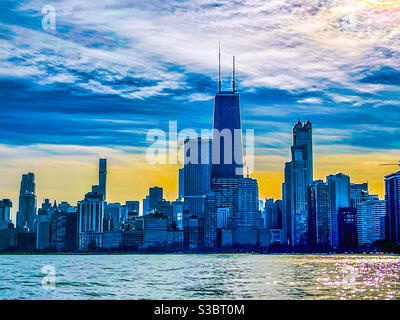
pixel 112 70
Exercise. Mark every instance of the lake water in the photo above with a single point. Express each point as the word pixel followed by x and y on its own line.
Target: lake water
pixel 218 276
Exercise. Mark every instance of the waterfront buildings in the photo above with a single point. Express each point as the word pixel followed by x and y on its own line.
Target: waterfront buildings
pixel 371 222
pixel 319 214
pixel 347 228
pixel 26 215
pixel 103 177
pixel 5 214
pixel 339 197
pixel 155 195
pixel 298 176
pixel 392 196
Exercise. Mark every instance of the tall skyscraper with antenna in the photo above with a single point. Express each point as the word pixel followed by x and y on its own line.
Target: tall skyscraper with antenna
pixel 227 134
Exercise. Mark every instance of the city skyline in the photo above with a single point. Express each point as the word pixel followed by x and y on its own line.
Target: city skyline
pixel 349 92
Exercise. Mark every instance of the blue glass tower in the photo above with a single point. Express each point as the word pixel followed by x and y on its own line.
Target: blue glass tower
pixel 227 135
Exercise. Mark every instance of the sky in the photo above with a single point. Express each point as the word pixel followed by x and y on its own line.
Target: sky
pixel 111 70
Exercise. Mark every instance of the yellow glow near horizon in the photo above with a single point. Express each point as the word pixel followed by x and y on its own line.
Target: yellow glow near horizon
pixel 129 177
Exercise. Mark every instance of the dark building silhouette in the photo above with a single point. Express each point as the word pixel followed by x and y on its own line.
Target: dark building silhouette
pixel 319 204
pixel 26 215
pixel 227 135
pixel 392 195
pixel 339 197
pixel 298 177
pixel 347 228
pixel 103 177
pixel 155 195
pixel 64 231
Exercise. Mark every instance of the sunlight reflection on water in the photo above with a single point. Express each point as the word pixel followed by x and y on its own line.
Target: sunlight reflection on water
pixel 202 277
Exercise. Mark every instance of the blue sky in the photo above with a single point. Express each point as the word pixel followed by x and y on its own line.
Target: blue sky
pixel 113 69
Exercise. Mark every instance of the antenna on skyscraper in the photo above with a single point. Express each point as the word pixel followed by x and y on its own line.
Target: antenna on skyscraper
pixel 219 68
pixel 233 78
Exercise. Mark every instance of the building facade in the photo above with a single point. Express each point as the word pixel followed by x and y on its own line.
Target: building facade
pixel 392 196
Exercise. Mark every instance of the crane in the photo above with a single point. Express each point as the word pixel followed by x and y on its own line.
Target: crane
pixel 390 164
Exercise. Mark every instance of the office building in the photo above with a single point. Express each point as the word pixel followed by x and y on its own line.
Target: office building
pixel 26 215
pixel 392 196
pixel 339 197
pixel 298 177
pixel 370 222
pixel 155 195
pixel 181 183
pixel 227 150
pixel 347 228
pixel 64 231
pixel 103 177
pixel 5 214
pixel 248 204
pixel 91 217
pixel 319 213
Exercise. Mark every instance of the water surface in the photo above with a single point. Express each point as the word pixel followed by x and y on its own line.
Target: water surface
pixel 219 276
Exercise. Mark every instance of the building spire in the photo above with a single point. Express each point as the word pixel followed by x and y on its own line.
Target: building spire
pixel 219 68
pixel 233 77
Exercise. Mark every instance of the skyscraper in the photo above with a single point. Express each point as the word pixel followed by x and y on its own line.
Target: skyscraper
pixel 339 197
pixel 302 137
pixel 5 210
pixel 392 195
pixel 181 183
pixel 319 204
pixel 27 202
pixel 358 193
pixel 227 134
pixel 347 228
pixel 91 217
pixel 248 209
pixel 197 174
pixel 155 195
pixel 103 177
pixel 298 176
pixel 197 185
pixel 371 222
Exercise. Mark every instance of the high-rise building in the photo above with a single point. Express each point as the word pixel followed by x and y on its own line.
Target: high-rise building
pixel 210 222
pixel 358 193
pixel 302 137
pixel 91 217
pixel 339 197
pixel 177 210
pixel 181 183
pixel 43 230
pixel 133 206
pixel 268 213
pixel 227 134
pixel 113 216
pixel 319 213
pixel 371 222
pixel 392 196
pixel 26 215
pixel 197 187
pixel 347 228
pixel 146 205
pixel 63 231
pixel 5 210
pixel 155 195
pixel 103 177
pixel 226 196
pixel 197 174
pixel 298 177
pixel 248 208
